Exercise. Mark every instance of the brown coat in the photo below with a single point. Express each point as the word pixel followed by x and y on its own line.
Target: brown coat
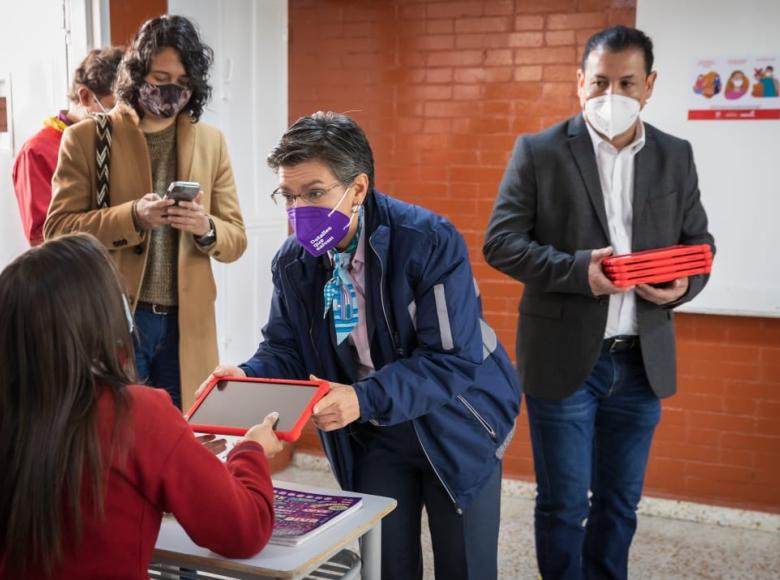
pixel 201 156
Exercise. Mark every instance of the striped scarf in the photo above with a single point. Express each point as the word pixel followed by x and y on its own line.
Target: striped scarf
pixel 339 291
pixel 58 123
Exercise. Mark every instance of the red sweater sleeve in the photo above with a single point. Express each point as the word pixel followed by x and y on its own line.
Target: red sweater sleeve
pixel 229 511
pixel 225 508
pixel 32 184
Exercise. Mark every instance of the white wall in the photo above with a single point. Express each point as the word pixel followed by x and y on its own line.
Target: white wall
pixel 737 161
pixel 249 106
pixel 41 42
pixel 33 79
pixel 249 38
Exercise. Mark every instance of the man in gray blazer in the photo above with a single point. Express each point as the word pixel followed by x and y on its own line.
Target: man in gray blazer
pixel 594 359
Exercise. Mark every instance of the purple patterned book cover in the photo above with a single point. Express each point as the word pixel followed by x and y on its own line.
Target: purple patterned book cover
pixel 300 514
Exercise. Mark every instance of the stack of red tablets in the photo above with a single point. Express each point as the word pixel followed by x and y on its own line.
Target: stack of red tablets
pixel 658 266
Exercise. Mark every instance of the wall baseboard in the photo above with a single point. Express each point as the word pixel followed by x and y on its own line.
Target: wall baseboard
pixel 649 506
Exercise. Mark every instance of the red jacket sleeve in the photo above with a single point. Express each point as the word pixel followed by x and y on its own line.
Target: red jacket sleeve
pixel 225 508
pixel 32 185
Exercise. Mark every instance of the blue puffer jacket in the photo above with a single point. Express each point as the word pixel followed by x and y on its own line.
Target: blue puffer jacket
pixel 438 364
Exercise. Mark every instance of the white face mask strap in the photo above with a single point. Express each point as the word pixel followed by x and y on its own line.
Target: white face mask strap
pixel 330 213
pixel 99 104
pixel 355 212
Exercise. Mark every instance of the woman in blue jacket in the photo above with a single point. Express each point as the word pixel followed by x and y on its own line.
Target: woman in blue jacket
pixel 377 296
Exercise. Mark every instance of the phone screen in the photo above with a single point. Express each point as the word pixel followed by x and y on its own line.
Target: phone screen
pixel 182 191
pixel 244 404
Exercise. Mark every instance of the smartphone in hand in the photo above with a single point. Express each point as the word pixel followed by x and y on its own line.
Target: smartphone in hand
pixel 182 190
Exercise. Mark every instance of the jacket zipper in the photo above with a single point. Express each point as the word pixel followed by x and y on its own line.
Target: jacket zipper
pixel 382 293
pixel 314 346
pixel 478 417
pixel 311 336
pixel 458 509
pixel 311 326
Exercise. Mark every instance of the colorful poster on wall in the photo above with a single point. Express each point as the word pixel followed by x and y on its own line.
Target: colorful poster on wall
pixel 735 89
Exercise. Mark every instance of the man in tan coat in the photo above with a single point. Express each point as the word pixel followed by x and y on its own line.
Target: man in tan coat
pixel 162 249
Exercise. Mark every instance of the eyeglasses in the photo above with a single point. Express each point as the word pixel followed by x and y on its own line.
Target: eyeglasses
pixel 312 197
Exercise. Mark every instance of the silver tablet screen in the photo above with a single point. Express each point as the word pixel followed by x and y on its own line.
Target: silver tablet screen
pixel 245 404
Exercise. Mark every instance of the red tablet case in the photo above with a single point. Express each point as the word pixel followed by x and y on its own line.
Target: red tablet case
pixel 661 278
pixel 661 269
pixel 322 389
pixel 659 253
pixel 664 263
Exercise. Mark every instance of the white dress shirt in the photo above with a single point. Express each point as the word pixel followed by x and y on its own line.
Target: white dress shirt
pixel 616 173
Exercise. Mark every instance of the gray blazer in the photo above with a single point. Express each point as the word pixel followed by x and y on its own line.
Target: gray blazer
pixel 547 218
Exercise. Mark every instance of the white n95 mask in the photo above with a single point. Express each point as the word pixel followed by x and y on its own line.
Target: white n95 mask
pixel 611 115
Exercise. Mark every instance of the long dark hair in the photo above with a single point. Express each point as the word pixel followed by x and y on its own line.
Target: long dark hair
pixel 168 31
pixel 64 340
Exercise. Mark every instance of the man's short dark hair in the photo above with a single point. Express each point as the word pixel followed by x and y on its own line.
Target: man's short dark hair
pixel 332 138
pixel 619 38
pixel 96 72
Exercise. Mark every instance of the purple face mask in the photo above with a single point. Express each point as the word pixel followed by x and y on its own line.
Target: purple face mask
pixel 163 100
pixel 318 229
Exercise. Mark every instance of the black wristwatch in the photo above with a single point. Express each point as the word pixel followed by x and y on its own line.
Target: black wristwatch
pixel 209 237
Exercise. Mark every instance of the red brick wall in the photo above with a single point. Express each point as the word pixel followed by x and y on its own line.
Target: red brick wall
pixel 127 16
pixel 443 88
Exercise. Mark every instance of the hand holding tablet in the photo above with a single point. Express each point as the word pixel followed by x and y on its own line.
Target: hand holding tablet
pixel 264 435
pixel 337 409
pixel 231 405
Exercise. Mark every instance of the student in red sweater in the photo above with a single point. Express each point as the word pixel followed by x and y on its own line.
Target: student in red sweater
pixel 90 461
pixel 34 165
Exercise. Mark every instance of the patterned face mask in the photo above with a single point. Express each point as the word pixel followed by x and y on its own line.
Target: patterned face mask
pixel 163 100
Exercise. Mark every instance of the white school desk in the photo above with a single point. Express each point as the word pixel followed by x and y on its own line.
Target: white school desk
pixel 174 547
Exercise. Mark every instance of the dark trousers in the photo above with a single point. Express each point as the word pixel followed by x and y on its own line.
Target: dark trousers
pixel 389 461
pixel 597 439
pixel 157 351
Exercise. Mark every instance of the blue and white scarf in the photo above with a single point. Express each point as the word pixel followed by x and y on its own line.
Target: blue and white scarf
pixel 339 291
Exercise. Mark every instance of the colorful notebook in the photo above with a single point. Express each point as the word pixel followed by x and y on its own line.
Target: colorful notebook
pixel 301 515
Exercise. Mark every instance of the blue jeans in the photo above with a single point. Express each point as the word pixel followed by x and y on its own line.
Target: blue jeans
pixel 389 461
pixel 157 351
pixel 596 439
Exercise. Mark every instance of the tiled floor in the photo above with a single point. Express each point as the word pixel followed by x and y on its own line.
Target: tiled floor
pixel 663 549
